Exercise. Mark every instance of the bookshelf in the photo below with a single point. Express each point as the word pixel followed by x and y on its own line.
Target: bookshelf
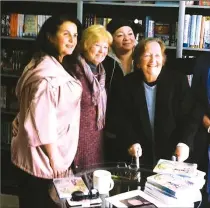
pixel 140 9
pixel 192 10
pixel 15 47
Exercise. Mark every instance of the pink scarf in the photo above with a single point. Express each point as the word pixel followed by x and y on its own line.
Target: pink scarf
pixel 99 96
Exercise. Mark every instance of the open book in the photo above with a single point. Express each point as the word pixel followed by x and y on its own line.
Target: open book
pixel 66 186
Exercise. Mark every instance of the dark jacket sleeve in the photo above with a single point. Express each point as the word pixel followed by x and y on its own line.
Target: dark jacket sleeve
pixel 198 93
pixel 125 131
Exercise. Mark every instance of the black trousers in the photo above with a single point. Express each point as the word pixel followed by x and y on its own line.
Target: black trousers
pixel 33 192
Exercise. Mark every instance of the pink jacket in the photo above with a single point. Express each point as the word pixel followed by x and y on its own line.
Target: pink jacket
pixel 49 113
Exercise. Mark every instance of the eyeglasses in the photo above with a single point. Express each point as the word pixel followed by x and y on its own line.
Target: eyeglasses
pixel 79 195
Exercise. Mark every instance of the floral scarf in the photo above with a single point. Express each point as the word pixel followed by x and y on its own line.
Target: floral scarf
pixel 99 96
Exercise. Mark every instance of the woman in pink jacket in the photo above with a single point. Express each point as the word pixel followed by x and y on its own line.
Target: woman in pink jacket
pixel 46 140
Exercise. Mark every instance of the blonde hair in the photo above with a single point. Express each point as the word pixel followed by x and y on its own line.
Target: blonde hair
pixel 141 46
pixel 92 35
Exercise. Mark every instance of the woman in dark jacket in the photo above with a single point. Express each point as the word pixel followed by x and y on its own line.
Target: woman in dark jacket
pixel 201 119
pixel 117 64
pixel 153 107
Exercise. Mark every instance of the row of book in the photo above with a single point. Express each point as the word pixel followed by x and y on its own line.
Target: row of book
pixel 8 99
pixel 163 30
pixel 11 60
pixel 6 132
pixel 196 31
pixel 143 28
pixel 176 183
pixel 21 25
pixel 198 2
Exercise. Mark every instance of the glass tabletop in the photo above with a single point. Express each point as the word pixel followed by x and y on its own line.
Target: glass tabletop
pixel 126 177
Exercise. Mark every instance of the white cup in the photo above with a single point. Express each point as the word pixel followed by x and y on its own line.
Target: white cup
pixel 102 181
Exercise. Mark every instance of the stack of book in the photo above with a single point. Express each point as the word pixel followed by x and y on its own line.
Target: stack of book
pixel 176 183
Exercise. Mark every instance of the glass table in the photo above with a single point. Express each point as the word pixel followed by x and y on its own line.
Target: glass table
pixel 126 177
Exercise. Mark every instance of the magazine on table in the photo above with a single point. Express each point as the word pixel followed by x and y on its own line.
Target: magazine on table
pixel 135 198
pixel 175 167
pixel 66 186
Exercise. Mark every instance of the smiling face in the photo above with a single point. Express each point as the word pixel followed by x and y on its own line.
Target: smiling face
pixel 65 39
pixel 151 61
pixel 97 52
pixel 123 39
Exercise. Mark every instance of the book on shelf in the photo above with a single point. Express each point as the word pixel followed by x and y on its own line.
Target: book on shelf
pixel 198 31
pixel 5 24
pixel 149 27
pixel 66 186
pixel 134 198
pixel 206 38
pixel 192 32
pixel 187 20
pixel 202 31
pixel 204 2
pixel 162 31
pixel 6 132
pixel 22 25
pixel 3 101
pixel 13 24
pixel 175 167
pixel 30 25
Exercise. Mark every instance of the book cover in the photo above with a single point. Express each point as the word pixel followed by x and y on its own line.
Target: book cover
pixel 162 31
pixel 174 185
pixel 202 32
pixel 171 201
pixel 193 28
pixel 30 25
pixel 187 20
pixel 13 24
pixel 175 167
pixel 134 198
pixel 204 2
pixel 147 19
pixel 66 186
pixel 150 32
pixel 206 38
pixel 20 25
pixel 198 31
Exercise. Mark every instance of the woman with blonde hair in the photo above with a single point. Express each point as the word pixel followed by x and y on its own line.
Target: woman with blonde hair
pixel 93 47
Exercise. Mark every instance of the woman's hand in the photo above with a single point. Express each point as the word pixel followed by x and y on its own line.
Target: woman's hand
pixel 56 167
pixel 55 160
pixel 182 152
pixel 135 150
pixel 206 121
